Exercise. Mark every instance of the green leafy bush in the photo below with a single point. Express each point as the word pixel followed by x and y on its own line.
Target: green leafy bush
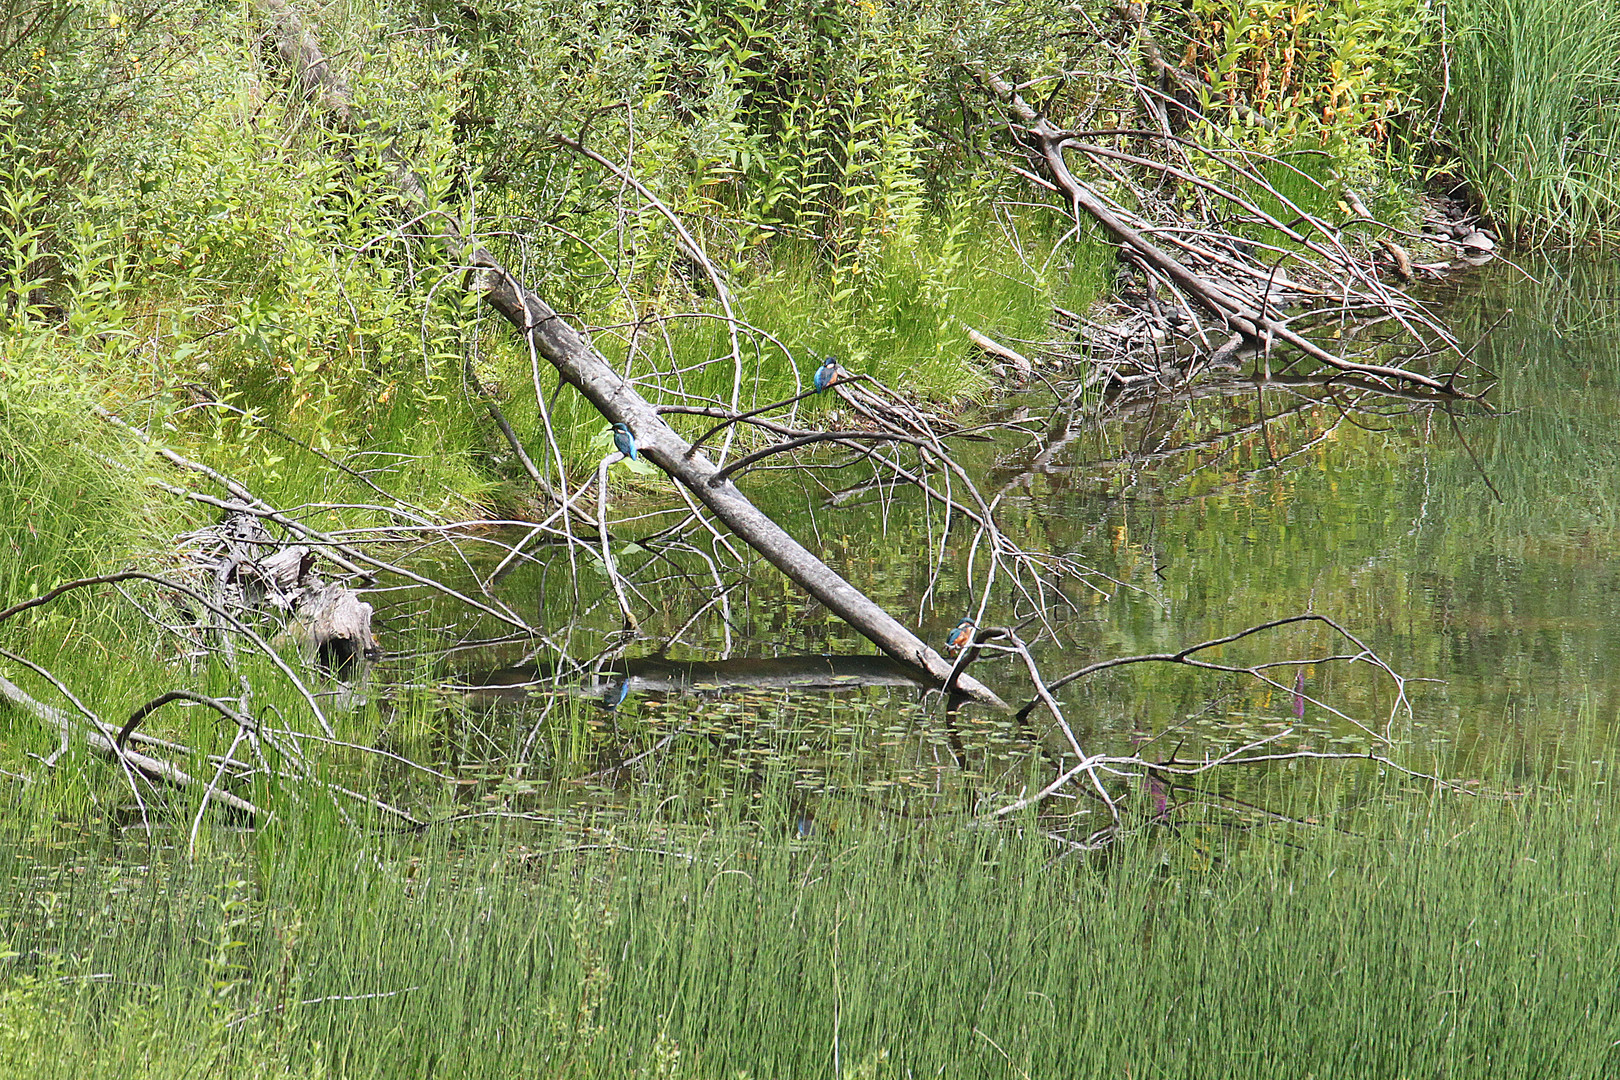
pixel 1295 72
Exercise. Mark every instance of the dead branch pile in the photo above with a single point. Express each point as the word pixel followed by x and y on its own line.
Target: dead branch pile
pixel 1209 277
pixel 254 577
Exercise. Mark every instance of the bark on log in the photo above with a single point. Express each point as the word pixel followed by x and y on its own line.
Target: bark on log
pixel 578 362
pixel 338 626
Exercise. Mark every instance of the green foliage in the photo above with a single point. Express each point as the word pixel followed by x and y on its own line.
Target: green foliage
pixel 71 497
pixel 1531 115
pixel 58 1028
pixel 71 490
pixel 1297 72
pixel 824 156
pixel 74 66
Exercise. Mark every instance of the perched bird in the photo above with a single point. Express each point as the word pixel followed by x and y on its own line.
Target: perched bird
pixel 625 441
pixel 614 696
pixel 962 636
pixel 827 374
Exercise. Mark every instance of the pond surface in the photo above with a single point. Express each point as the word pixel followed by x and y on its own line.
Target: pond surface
pixel 1473 549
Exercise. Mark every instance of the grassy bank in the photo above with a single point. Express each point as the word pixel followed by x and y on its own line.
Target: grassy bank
pixel 1529 109
pixel 1437 935
pixel 204 238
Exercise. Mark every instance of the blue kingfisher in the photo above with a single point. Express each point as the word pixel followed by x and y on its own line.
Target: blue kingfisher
pixel 625 441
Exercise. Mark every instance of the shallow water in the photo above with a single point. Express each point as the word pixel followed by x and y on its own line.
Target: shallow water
pixel 1468 548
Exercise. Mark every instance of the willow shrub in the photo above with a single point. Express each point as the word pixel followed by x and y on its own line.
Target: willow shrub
pixel 1332 75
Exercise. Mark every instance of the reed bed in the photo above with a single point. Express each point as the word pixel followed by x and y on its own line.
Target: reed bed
pixel 1431 934
pixel 1531 107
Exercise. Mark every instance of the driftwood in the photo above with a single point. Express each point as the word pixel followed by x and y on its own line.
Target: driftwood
pixel 1022 369
pixel 580 364
pixel 338 632
pixel 103 739
pixel 253 575
pixel 1247 296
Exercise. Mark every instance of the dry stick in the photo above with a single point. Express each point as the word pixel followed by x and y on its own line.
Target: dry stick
pixel 556 453
pixel 749 415
pixel 299 736
pixel 99 736
pixel 244 722
pixel 844 438
pixel 1305 755
pixel 617 400
pixel 1238 314
pixel 545 526
pixel 999 545
pixel 242 628
pixel 1021 364
pixel 1088 764
pixel 1403 261
pixel 495 414
pixel 209 791
pixel 317 1001
pixel 1184 656
pixel 255 505
pixel 61 688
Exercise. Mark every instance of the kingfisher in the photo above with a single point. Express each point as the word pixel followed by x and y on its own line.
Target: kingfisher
pixel 614 696
pixel 625 441
pixel 827 374
pixel 962 636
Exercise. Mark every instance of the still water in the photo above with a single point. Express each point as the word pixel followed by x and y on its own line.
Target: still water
pixel 1472 549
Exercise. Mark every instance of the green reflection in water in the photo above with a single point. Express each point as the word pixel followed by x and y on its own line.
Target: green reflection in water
pixel 1465 546
pixel 1476 549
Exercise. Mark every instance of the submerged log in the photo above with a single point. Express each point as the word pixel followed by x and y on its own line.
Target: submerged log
pixel 815 674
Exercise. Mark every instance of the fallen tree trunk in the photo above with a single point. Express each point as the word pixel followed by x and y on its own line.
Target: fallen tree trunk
pixel 590 373
pixel 579 363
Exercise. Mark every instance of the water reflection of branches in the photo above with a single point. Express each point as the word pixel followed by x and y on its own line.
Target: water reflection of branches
pixel 1129 773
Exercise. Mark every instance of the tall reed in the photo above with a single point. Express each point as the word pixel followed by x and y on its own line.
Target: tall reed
pixel 1437 935
pixel 1532 110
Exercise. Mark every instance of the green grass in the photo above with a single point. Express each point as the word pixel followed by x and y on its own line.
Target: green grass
pixel 72 494
pixel 1532 113
pixel 1441 935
